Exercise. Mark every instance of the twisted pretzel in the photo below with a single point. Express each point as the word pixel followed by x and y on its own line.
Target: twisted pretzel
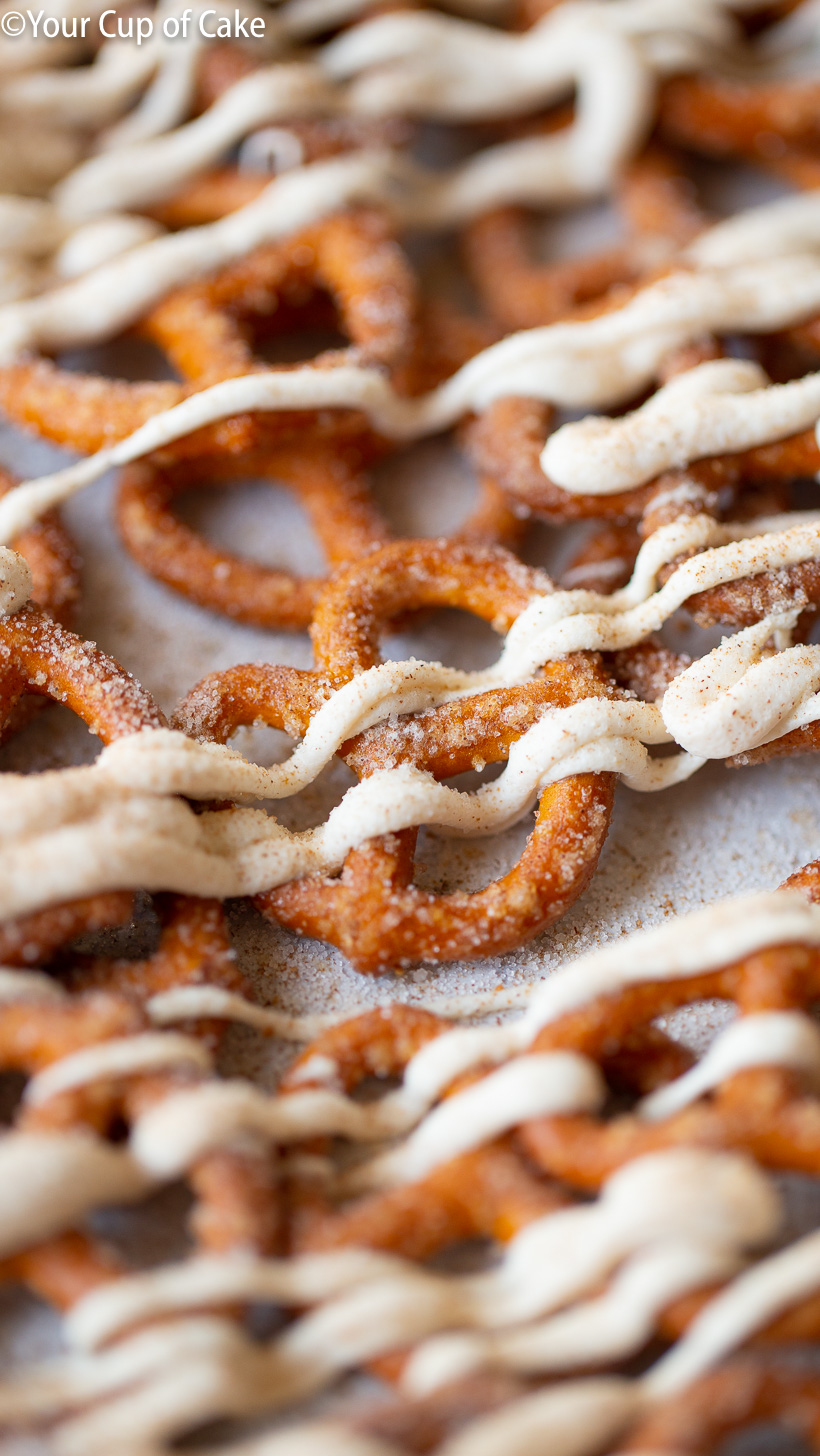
pixel 204 331
pixel 373 912
pixel 760 1110
pixel 333 485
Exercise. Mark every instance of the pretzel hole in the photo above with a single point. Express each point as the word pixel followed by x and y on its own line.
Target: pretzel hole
pixel 136 939
pixel 260 520
pixel 153 1231
pixel 698 1023
pixel 467 1256
pixel 311 806
pixel 765 1438
pixel 12 1087
pixel 444 865
pixel 293 326
pixel 130 357
pixel 295 345
pixel 51 739
pixel 724 191
pixel 591 228
pixel 448 635
pixel 29 1330
pixel 429 489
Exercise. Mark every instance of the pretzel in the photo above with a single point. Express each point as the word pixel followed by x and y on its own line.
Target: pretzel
pixel 657 199
pixel 333 484
pixel 373 912
pixel 746 1392
pixel 759 1110
pixel 235 1200
pixel 55 569
pixel 203 330
pixel 43 658
pixel 488 1192
pixel 328 483
pixel 724 116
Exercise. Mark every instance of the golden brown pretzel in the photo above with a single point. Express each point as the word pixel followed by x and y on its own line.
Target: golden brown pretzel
pixel 373 911
pixel 42 657
pixel 204 329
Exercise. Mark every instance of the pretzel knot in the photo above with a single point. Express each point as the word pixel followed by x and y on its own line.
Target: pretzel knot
pixel 373 911
pixel 657 200
pixel 346 267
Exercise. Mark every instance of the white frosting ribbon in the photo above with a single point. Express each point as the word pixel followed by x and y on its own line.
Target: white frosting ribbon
pixel 119 824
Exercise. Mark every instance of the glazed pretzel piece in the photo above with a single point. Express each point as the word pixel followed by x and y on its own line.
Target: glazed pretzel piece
pixel 55 569
pixel 330 478
pixel 755 1104
pixel 373 911
pixel 488 1192
pixel 39 656
pixel 204 331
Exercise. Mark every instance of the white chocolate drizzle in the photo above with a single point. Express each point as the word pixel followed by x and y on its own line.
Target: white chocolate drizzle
pixel 664 1225
pixel 119 824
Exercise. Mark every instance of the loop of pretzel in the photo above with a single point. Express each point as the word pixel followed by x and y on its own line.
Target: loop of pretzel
pixel 657 199
pixel 373 911
pixel 333 486
pixel 204 331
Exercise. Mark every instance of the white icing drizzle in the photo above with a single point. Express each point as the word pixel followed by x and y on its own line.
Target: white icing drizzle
pixel 144 173
pixel 118 824
pixel 434 65
pixel 118 1057
pixel 57 1178
pixel 97 242
pixel 718 408
pixel 749 1304
pixel 185 1003
pixel 600 1330
pixel 369 1303
pixel 428 64
pixel 529 1086
pixel 16 985
pixel 768 1039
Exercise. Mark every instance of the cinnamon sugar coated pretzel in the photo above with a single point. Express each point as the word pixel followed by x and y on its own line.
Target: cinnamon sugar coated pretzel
pixel 521 306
